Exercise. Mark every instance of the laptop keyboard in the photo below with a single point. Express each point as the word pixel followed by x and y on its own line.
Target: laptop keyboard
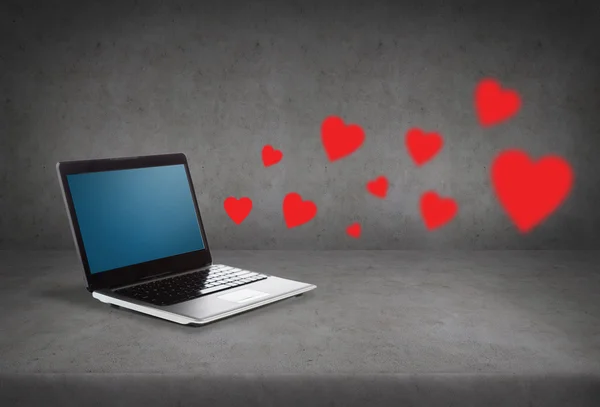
pixel 173 290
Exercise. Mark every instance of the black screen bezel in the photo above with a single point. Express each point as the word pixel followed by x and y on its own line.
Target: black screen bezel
pixel 142 271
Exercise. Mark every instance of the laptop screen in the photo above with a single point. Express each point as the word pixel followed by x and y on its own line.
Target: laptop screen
pixel 132 216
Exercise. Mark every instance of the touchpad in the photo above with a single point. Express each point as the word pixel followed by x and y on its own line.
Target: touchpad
pixel 243 295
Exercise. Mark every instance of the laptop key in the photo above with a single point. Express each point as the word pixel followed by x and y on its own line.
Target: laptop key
pixel 213 289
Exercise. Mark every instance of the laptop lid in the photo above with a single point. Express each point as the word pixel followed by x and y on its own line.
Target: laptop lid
pixel 133 218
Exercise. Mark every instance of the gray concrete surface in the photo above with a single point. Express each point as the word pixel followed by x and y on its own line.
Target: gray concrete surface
pixel 384 390
pixel 388 328
pixel 501 313
pixel 218 80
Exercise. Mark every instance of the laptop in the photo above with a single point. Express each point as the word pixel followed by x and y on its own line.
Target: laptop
pixel 139 234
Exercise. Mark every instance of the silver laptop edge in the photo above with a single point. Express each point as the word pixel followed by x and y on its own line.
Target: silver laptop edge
pixel 204 309
pixel 188 320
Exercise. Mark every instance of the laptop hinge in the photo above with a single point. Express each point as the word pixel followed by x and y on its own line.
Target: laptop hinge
pixel 153 277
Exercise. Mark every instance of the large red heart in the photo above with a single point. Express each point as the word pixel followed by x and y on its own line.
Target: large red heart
pixel 423 146
pixel 270 156
pixel 238 209
pixel 297 212
pixel 493 104
pixel 437 211
pixel 378 187
pixel 530 191
pixel 354 230
pixel 340 140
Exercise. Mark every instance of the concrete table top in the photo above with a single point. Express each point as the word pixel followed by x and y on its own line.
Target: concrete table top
pixel 374 313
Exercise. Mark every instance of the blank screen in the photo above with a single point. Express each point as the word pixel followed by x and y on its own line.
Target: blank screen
pixel 133 216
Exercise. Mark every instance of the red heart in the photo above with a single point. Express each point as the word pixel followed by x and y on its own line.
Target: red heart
pixel 297 212
pixel 378 187
pixel 340 140
pixel 353 230
pixel 493 104
pixel 270 156
pixel 530 191
pixel 437 211
pixel 238 209
pixel 423 146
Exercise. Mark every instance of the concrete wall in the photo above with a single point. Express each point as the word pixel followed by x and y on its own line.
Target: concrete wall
pixel 218 81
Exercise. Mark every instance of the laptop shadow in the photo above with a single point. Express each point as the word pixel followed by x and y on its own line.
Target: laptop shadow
pixel 76 297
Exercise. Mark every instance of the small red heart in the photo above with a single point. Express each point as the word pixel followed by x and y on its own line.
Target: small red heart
pixel 354 230
pixel 530 191
pixel 378 187
pixel 422 146
pixel 340 140
pixel 238 209
pixel 297 212
pixel 437 211
pixel 270 156
pixel 493 104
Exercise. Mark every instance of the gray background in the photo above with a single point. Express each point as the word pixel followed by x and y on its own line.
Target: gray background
pixel 219 80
